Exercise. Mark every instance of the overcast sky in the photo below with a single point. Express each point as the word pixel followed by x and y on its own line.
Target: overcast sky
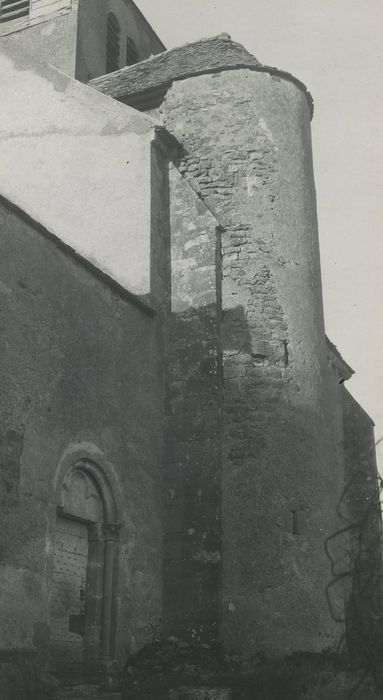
pixel 335 48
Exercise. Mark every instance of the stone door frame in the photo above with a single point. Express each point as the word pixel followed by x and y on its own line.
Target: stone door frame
pixel 103 537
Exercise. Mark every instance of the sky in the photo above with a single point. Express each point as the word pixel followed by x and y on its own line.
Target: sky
pixel 335 47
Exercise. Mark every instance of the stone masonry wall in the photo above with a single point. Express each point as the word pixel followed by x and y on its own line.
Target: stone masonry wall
pixel 192 497
pixel 361 478
pixel 361 512
pixel 81 364
pixel 247 152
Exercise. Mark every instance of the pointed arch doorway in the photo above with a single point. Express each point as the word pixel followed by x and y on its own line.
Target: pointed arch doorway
pixel 84 574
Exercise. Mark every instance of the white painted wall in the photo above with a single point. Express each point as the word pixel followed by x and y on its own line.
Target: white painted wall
pixel 50 37
pixel 78 162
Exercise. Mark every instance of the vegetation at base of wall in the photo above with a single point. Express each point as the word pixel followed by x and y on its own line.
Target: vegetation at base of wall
pixel 169 663
pixel 306 677
pixel 158 667
pixel 356 565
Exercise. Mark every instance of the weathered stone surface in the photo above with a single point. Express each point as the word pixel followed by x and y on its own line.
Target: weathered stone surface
pixel 252 166
pixel 11 446
pixel 192 556
pixel 20 675
pixel 81 367
pixel 360 508
pixel 225 401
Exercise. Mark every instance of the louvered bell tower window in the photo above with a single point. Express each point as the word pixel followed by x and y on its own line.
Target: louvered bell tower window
pixel 13 9
pixel 112 43
pixel 131 52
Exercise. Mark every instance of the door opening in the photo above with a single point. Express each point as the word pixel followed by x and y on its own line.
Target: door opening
pixel 83 577
pixel 68 602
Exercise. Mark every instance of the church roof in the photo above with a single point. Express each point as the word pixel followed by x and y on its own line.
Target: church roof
pixel 144 84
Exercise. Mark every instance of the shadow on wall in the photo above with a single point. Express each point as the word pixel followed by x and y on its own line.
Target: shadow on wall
pixel 236 439
pixel 196 437
pixel 359 574
pixel 192 486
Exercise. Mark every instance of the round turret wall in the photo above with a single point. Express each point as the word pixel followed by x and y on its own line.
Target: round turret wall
pixel 247 152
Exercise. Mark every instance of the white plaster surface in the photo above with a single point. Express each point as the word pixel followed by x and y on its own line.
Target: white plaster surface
pixel 78 162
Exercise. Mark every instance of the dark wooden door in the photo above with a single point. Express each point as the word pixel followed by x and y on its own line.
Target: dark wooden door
pixel 69 597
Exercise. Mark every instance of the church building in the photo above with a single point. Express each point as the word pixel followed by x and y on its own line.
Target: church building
pixel 179 453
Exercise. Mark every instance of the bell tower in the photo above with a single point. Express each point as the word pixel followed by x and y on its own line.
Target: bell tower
pixel 82 38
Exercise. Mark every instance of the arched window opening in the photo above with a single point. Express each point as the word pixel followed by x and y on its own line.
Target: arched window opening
pixel 13 9
pixel 83 579
pixel 131 52
pixel 113 33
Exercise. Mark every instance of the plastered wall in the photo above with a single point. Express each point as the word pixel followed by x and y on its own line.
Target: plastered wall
pixel 81 366
pixel 60 139
pixel 50 38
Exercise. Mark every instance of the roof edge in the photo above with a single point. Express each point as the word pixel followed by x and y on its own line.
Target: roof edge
pixel 97 272
pixel 339 364
pixel 211 55
pixel 351 398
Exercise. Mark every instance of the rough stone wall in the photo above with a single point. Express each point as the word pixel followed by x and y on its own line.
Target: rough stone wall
pixel 361 469
pixel 81 364
pixel 338 543
pixel 192 497
pixel 362 515
pixel 247 151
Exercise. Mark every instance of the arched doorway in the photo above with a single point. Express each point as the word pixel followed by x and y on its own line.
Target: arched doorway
pixel 84 573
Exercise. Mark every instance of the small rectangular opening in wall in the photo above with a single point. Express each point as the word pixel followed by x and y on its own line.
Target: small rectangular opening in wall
pixel 295 522
pixel 285 353
pixel 298 521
